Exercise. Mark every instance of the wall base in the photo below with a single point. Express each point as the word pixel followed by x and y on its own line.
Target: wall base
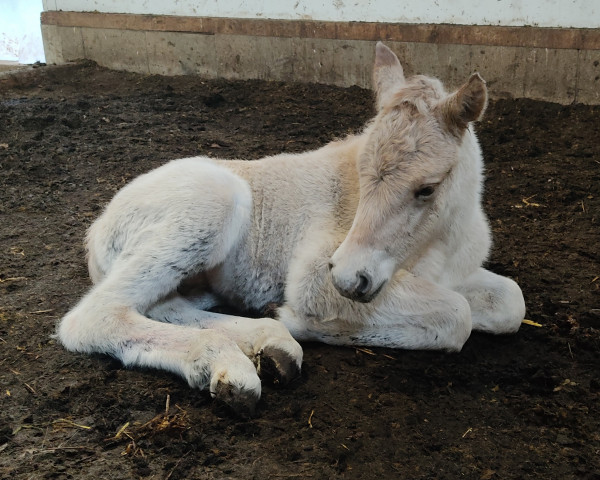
pixel 557 65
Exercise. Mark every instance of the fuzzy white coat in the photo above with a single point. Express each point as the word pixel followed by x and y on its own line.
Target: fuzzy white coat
pixel 376 240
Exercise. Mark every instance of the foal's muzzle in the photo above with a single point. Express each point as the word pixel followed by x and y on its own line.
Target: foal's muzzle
pixel 360 288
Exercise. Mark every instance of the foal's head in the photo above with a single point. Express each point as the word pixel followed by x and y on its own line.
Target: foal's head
pixel 405 174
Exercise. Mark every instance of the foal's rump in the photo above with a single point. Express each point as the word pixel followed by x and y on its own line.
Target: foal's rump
pixel 194 200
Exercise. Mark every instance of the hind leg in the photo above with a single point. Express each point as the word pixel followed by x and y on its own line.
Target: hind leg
pixel 265 341
pixel 497 304
pixel 110 318
pixel 206 359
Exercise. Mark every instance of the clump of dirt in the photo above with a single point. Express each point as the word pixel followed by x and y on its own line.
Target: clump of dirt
pixel 521 406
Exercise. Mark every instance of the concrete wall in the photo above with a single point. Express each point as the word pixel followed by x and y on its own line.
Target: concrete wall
pixel 540 13
pixel 319 42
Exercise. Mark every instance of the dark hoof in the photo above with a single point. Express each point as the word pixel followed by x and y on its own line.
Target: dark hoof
pixel 241 402
pixel 276 364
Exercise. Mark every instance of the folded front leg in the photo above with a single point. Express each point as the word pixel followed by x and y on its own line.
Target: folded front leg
pixel 497 303
pixel 409 313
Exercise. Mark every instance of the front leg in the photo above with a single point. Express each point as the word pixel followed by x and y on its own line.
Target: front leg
pixel 497 304
pixel 409 313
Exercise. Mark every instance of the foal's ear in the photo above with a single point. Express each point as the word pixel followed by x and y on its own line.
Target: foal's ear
pixel 387 74
pixel 465 105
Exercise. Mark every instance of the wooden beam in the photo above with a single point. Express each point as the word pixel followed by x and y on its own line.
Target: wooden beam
pixel 533 37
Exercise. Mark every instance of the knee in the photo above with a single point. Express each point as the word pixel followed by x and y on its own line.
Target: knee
pixel 512 307
pixel 499 308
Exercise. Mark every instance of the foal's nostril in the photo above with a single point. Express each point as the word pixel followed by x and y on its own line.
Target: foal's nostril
pixel 330 265
pixel 364 284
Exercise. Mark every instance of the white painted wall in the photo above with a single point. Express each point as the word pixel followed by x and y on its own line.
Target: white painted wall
pixel 541 13
pixel 20 31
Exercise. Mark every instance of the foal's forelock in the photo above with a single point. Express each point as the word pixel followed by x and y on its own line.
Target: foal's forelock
pixel 420 92
pixel 407 146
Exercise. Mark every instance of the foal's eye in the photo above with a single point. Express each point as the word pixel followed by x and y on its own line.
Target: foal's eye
pixel 424 192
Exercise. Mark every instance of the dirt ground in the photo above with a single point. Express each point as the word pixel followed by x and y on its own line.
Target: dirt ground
pixel 524 406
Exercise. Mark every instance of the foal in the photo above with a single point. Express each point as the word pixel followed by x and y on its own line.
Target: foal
pixel 376 240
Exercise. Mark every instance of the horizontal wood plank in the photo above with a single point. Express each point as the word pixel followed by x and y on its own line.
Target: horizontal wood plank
pixel 534 37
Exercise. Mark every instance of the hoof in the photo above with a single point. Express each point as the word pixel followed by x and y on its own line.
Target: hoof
pixel 242 402
pixel 277 364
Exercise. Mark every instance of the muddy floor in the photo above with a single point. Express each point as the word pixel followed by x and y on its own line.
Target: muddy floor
pixel 515 407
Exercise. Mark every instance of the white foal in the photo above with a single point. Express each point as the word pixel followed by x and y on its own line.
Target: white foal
pixel 374 240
